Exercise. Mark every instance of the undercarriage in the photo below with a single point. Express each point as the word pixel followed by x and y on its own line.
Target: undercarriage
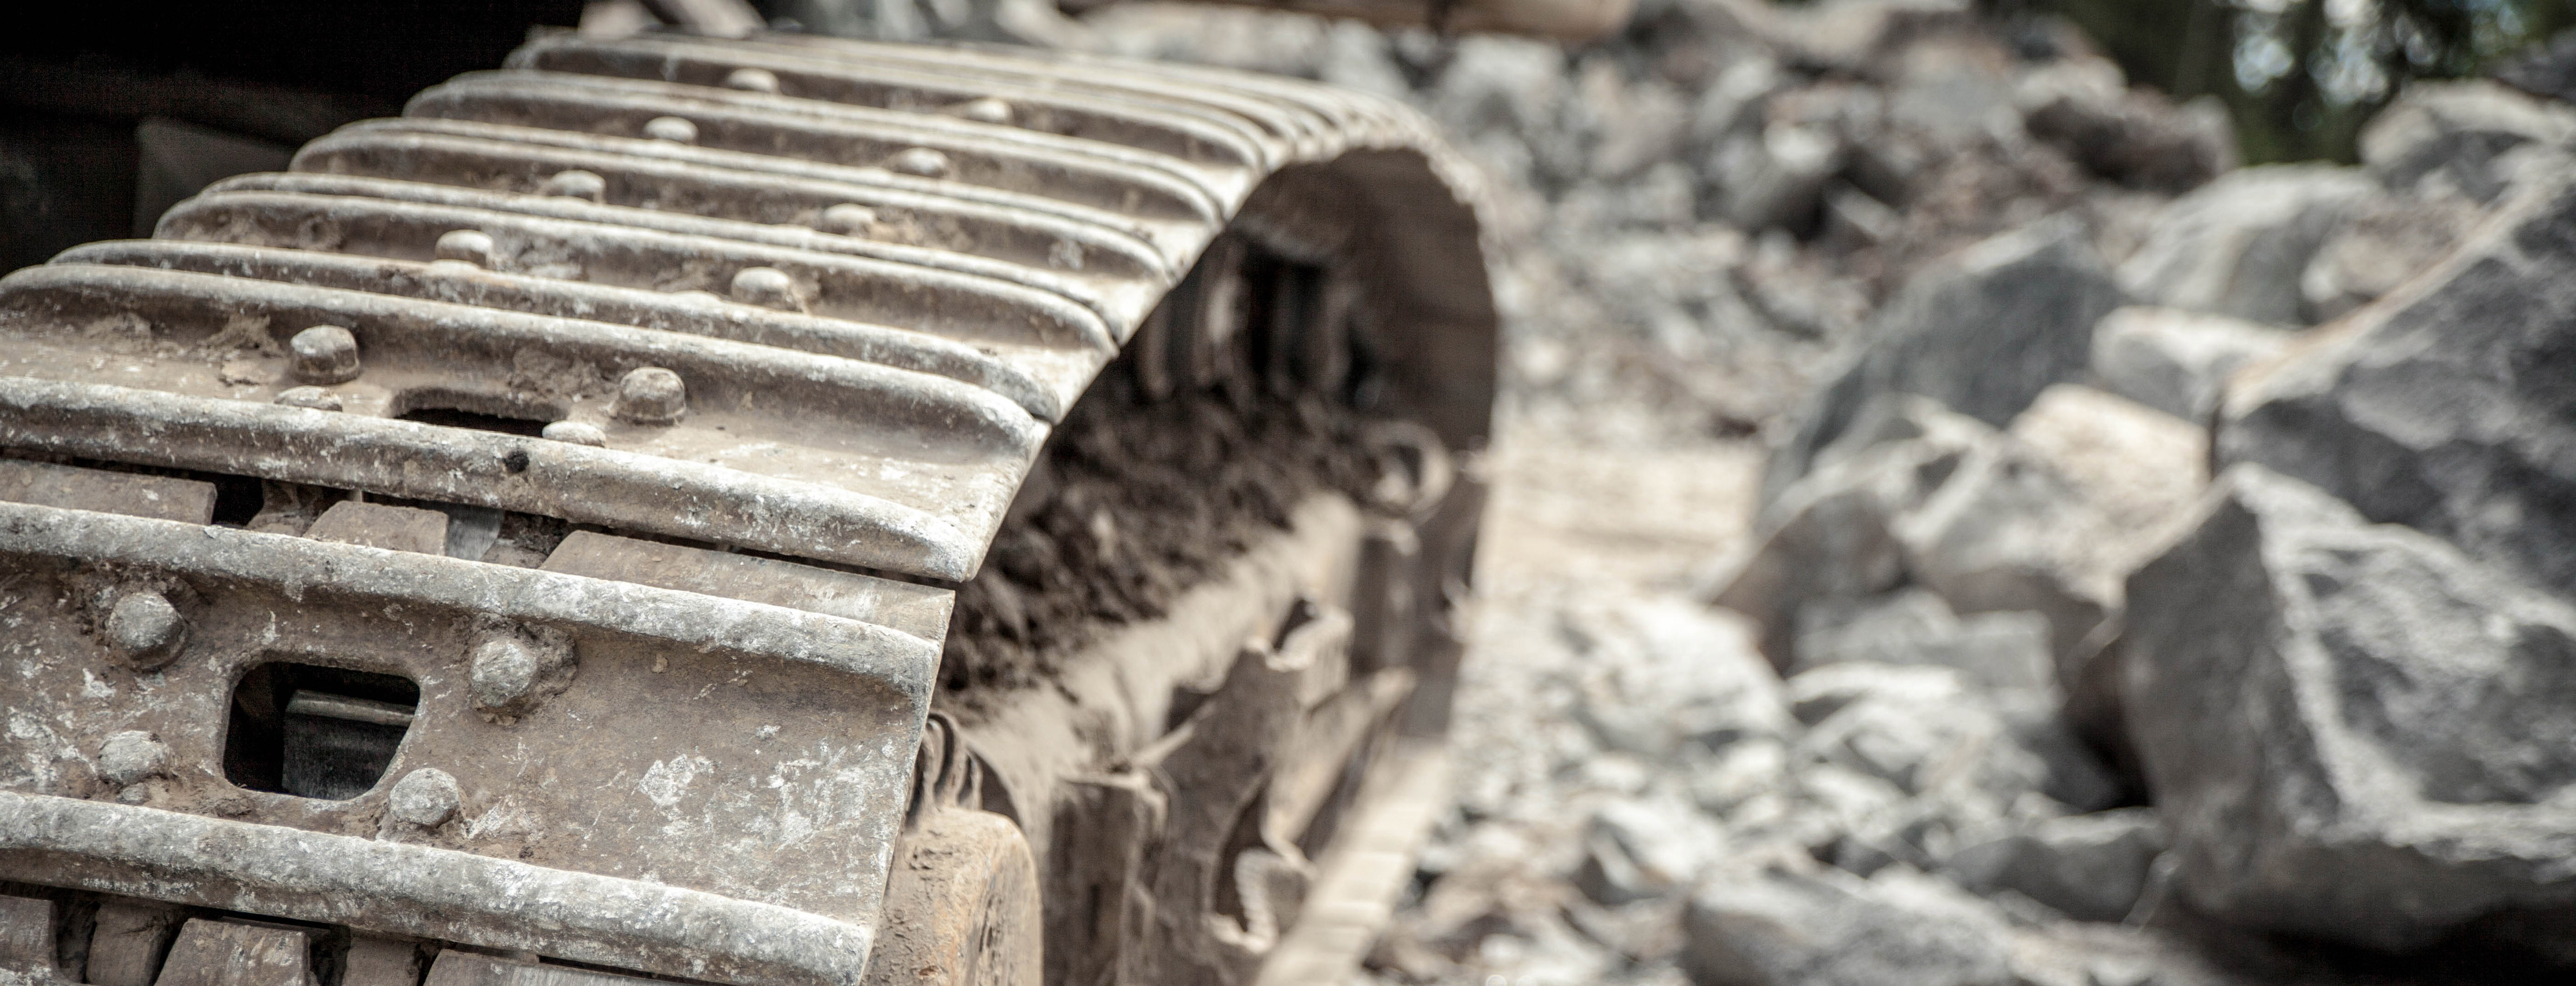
pixel 773 512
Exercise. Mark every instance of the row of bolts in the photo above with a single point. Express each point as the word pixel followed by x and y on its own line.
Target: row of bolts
pixel 328 354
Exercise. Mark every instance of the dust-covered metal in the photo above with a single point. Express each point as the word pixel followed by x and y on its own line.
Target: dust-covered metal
pixel 532 525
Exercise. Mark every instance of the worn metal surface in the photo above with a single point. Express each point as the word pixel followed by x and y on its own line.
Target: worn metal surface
pixel 637 408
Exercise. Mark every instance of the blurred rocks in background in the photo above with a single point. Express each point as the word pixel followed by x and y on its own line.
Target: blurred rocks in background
pixel 1985 681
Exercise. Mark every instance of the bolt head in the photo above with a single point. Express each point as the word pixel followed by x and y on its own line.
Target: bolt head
pixel 503 669
pixel 651 395
pixel 767 287
pixel 849 219
pixel 144 630
pixel 469 245
pixel 131 756
pixel 986 110
pixel 671 128
pixel 312 397
pixel 752 80
pixel 425 797
pixel 324 354
pixel 576 184
pixel 920 161
pixel 574 432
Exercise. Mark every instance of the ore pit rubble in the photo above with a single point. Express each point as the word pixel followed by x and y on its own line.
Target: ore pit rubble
pixel 1955 525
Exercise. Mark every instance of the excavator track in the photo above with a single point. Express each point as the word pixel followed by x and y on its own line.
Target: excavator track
pixel 773 512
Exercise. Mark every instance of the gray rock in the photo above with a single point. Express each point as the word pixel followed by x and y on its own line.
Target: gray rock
pixel 2456 138
pixel 1641 848
pixel 1983 335
pixel 1830 535
pixel 2239 245
pixel 2178 361
pixel 2450 411
pixel 1914 626
pixel 1971 755
pixel 2134 137
pixel 2007 531
pixel 2379 247
pixel 2353 732
pixel 1783 928
pixel 2546 69
pixel 2090 867
pixel 1773 176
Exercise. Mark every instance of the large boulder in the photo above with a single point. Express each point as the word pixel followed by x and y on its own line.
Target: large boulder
pixel 2353 732
pixel 2239 245
pixel 2177 361
pixel 2451 408
pixel 2471 139
pixel 1983 334
pixel 1782 927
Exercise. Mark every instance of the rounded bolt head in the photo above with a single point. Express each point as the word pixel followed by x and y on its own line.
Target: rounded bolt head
pixel 651 395
pixel 671 128
pixel 131 756
pixel 502 670
pixel 312 397
pixel 985 110
pixel 144 630
pixel 472 246
pixel 575 183
pixel 324 354
pixel 752 80
pixel 425 797
pixel 920 161
pixel 849 219
pixel 767 287
pixel 574 432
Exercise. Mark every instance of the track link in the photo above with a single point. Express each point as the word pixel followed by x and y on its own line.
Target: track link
pixel 600 447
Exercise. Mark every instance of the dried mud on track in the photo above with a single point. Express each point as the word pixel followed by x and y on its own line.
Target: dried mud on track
pixel 1135 502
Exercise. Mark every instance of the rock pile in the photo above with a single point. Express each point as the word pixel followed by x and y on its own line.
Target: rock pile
pixel 2162 572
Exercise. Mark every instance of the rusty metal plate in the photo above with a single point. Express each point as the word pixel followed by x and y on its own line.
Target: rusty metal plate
pixel 1044 381
pixel 1190 131
pixel 1088 172
pixel 1037 233
pixel 685 719
pixel 774 449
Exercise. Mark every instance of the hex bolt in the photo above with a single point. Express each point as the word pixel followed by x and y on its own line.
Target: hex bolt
pixel 324 354
pixel 849 219
pixel 671 128
pixel 574 183
pixel 144 630
pixel 920 161
pixel 985 110
pixel 752 80
pixel 425 797
pixel 574 432
pixel 767 287
pixel 651 395
pixel 472 246
pixel 503 669
pixel 312 397
pixel 131 756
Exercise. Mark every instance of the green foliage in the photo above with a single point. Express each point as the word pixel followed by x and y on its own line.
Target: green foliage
pixel 2300 77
